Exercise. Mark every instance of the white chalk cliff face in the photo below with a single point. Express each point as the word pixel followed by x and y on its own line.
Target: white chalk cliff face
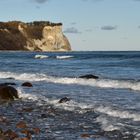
pixel 52 38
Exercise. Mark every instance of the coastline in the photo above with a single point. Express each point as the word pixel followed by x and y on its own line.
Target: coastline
pixel 91 108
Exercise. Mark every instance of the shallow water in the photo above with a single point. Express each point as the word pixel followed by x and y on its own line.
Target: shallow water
pixel 102 109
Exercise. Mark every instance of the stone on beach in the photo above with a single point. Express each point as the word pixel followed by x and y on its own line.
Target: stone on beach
pixel 85 136
pixel 10 134
pixel 21 124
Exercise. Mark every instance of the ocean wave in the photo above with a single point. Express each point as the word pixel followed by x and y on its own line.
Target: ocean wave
pixel 82 107
pixel 64 57
pixel 40 56
pixel 108 115
pixel 70 106
pixel 118 113
pixel 107 124
pixel 101 83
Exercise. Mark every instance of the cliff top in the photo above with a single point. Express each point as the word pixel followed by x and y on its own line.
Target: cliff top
pixel 15 24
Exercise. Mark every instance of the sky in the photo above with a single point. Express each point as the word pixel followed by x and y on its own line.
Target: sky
pixel 90 25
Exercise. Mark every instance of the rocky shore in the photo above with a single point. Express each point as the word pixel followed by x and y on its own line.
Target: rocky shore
pixel 25 119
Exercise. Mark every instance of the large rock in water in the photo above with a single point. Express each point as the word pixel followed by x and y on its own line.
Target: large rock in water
pixel 34 36
pixel 89 76
pixel 27 84
pixel 8 93
pixel 64 100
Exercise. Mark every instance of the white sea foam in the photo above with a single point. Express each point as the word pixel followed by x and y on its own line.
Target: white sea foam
pixel 24 95
pixel 64 57
pixel 83 107
pixel 106 124
pixel 118 113
pixel 102 83
pixel 71 105
pixel 108 113
pixel 40 56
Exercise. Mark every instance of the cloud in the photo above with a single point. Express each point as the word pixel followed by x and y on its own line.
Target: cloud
pixel 72 30
pixel 139 26
pixel 108 27
pixel 40 1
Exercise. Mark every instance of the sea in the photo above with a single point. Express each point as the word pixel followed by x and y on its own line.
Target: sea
pixel 107 108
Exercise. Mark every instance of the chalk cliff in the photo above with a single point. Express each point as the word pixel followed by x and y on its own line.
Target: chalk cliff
pixel 34 36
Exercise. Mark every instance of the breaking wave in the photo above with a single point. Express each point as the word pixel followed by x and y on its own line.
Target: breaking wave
pixel 40 56
pixel 83 107
pixel 71 105
pixel 64 57
pixel 107 124
pixel 106 115
pixel 118 113
pixel 101 83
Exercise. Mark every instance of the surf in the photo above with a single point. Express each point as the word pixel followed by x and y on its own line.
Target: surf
pixel 100 83
pixel 40 56
pixel 64 57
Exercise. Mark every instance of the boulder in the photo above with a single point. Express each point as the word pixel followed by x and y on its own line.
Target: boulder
pixel 89 76
pixel 64 100
pixel 8 93
pixel 27 84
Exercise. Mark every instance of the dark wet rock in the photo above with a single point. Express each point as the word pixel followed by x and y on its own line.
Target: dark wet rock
pixel 8 93
pixel 43 116
pixel 10 78
pixel 64 100
pixel 6 84
pixel 27 84
pixel 89 76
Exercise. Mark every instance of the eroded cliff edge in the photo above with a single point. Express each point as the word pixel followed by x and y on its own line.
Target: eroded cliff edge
pixel 33 36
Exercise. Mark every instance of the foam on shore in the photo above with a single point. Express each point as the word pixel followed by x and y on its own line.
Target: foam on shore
pixel 101 83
